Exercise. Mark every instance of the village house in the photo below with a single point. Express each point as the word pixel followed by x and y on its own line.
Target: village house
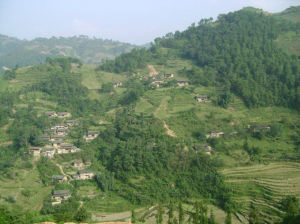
pixel 63 114
pixel 44 138
pixel 48 152
pixel 202 99
pixel 62 131
pixel 259 127
pixel 67 148
pixel 207 149
pixel 58 178
pixel 59 126
pixel 70 123
pixel 91 135
pixel 78 164
pixel 51 114
pixel 204 148
pixel 117 84
pixel 60 195
pixel 84 175
pixel 169 75
pixel 57 143
pixel 156 83
pixel 49 131
pixel 56 138
pixel 182 83
pixel 214 134
pixel 35 151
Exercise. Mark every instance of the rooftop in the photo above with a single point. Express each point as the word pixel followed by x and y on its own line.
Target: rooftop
pixel 61 193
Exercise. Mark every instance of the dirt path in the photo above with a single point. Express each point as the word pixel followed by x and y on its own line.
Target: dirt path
pixel 62 171
pixel 169 131
pixel 153 71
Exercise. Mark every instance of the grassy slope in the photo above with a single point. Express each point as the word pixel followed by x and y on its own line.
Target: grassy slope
pixel 290 42
pixel 264 186
pixel 167 105
pixel 24 179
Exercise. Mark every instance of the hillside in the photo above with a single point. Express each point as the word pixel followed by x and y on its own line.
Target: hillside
pixel 203 125
pixel 14 51
pixel 290 41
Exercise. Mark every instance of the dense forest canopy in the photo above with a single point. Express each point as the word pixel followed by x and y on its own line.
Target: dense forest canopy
pixel 237 52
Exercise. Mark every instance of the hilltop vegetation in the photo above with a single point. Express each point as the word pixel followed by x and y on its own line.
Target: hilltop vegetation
pixel 89 50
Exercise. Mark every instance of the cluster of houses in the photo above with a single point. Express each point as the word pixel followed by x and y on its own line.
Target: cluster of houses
pixel 56 148
pixel 54 138
pixel 62 195
pixel 161 78
pixel 53 114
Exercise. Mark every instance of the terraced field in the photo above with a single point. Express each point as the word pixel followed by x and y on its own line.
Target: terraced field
pixel 264 186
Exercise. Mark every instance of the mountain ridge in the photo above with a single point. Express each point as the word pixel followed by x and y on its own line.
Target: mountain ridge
pixel 15 51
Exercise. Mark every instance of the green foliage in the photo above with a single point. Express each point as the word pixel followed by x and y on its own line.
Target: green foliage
pixel 127 62
pixel 275 130
pixel 228 219
pixel 10 199
pixel 138 146
pixel 133 216
pixel 26 192
pixel 224 99
pixel 180 213
pixel 67 90
pixel 10 74
pixel 46 169
pixel 27 127
pixel 64 63
pixel 254 217
pixel 160 214
pixel 82 215
pixel 105 181
pixel 107 87
pixel 66 211
pixel 291 206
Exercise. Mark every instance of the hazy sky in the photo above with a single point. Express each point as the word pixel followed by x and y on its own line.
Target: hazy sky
pixel 134 21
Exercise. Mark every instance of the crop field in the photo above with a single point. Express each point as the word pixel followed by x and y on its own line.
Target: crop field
pixel 264 186
pixel 23 189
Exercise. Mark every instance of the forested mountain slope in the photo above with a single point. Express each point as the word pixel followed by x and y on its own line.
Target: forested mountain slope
pixel 14 51
pixel 238 52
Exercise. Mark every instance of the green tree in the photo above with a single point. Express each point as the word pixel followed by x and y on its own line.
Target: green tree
pixel 228 219
pixel 171 212
pixel 81 215
pixel 133 216
pixel 180 214
pixel 159 215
